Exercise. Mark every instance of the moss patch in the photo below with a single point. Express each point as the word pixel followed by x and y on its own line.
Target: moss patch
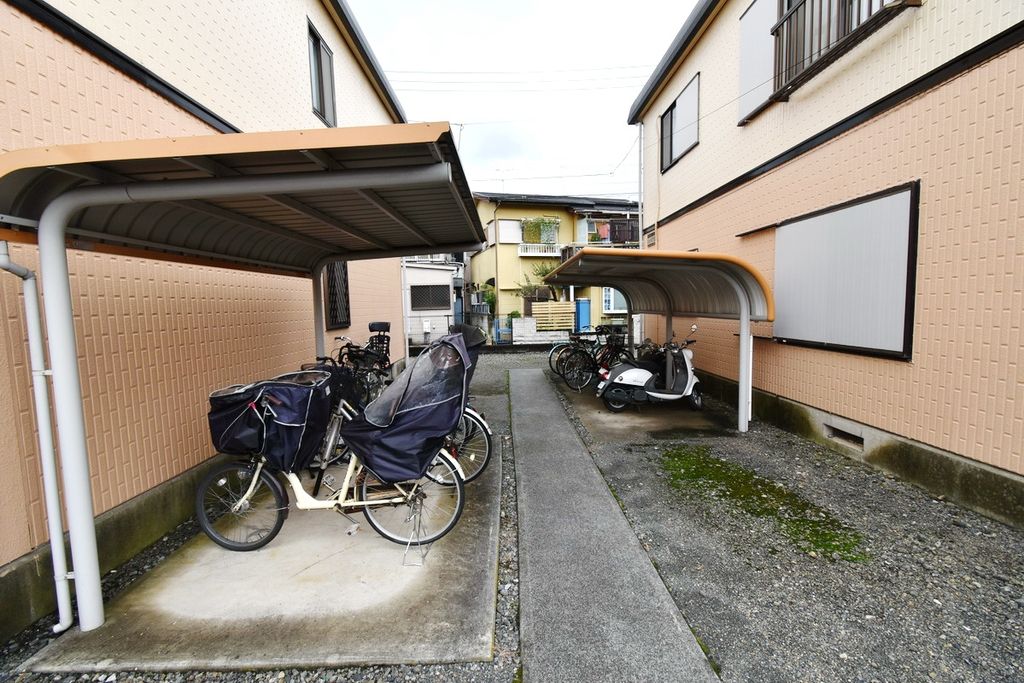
pixel 807 526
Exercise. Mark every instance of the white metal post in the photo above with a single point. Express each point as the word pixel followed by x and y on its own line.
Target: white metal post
pixel 746 360
pixel 318 308
pixel 669 364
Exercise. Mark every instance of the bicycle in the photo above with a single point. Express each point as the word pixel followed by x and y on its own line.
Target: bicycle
pixel 582 364
pixel 242 505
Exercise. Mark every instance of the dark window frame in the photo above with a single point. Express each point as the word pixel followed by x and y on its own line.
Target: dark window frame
pixel 666 131
pixel 435 290
pixel 321 77
pixel 337 306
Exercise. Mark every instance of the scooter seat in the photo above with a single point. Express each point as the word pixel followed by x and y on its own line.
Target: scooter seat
pixel 649 366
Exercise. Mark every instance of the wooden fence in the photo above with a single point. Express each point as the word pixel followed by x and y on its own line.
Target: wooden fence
pixel 554 315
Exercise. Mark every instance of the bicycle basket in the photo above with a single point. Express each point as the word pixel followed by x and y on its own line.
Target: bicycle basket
pixel 283 419
pixel 342 384
pixel 403 429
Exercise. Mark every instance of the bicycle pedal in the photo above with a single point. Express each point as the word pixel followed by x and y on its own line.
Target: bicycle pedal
pixel 352 529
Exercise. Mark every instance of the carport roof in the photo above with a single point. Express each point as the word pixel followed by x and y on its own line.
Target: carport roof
pixel 354 193
pixel 672 282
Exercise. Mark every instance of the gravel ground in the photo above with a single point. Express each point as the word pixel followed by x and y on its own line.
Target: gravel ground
pixel 941 596
pixel 489 379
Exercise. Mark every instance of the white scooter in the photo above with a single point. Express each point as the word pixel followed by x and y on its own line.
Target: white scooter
pixel 634 382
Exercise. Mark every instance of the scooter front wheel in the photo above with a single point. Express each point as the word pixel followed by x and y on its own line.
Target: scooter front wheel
pixel 695 400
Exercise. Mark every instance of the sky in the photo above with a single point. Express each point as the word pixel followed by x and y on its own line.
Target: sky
pixel 538 92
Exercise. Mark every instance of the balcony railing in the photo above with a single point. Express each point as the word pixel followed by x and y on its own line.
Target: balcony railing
pixel 548 250
pixel 814 33
pixel 569 250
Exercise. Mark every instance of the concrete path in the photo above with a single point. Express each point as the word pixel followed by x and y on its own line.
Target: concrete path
pixel 592 606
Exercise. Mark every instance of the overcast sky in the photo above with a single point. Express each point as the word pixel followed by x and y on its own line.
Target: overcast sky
pixel 537 91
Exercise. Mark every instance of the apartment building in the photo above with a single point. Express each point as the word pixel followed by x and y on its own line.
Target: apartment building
pixel 865 156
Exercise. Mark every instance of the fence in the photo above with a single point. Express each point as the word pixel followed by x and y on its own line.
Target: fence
pixel 554 315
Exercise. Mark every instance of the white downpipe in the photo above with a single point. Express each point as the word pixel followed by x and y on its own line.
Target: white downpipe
pixel 318 308
pixel 67 386
pixel 47 456
pixel 407 297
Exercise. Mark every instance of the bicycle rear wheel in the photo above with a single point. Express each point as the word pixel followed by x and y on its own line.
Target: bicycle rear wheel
pixel 432 504
pixel 553 355
pixel 470 445
pixel 233 520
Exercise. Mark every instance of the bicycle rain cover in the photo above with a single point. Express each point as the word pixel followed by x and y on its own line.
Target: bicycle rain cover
pixel 401 431
pixel 283 419
pixel 474 339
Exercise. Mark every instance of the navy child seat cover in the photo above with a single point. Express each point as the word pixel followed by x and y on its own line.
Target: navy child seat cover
pixel 402 430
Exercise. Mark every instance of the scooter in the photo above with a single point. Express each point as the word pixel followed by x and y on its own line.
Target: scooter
pixel 643 381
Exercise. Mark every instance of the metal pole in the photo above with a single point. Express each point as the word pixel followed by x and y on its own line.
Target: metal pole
pixel 743 398
pixel 669 365
pixel 67 386
pixel 318 308
pixel 629 326
pixel 47 456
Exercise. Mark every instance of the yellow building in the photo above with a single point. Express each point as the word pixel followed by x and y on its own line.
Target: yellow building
pixel 526 238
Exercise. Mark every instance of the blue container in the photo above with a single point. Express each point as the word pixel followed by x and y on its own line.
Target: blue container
pixel 582 314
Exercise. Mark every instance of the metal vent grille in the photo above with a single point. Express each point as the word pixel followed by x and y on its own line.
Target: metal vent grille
pixel 424 297
pixel 338 313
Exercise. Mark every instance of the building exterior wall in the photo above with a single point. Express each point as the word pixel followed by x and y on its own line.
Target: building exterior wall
pixel 962 391
pixel 253 65
pixel 154 337
pixel 913 43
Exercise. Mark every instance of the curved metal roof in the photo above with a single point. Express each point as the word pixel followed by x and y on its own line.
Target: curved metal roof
pixel 351 193
pixel 678 282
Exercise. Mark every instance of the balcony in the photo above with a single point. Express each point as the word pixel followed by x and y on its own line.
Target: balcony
pixel 543 250
pixel 814 33
pixel 570 250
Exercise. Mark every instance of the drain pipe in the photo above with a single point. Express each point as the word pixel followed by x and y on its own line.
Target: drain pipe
pixel 41 398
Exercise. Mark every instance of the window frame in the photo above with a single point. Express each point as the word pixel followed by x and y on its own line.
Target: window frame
pixel 331 282
pixel 670 115
pixel 605 300
pixel 910 291
pixel 448 293
pixel 321 77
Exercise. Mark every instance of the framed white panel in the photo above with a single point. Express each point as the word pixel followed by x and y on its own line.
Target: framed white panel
pixel 757 56
pixel 844 277
pixel 684 118
pixel 510 231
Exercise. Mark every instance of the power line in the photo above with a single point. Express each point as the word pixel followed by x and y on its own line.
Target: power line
pixel 647 67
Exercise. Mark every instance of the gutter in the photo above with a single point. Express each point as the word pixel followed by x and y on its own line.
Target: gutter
pixel 47 456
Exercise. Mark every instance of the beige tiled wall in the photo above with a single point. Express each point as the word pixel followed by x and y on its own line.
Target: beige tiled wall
pixel 915 42
pixel 963 391
pixel 247 61
pixel 153 337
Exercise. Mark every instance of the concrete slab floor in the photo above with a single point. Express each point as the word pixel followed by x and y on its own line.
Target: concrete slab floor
pixel 313 597
pixel 669 420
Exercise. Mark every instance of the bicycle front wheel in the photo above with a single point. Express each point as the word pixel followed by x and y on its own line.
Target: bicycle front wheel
pixel 470 445
pixel 430 508
pixel 553 355
pixel 237 521
pixel 579 370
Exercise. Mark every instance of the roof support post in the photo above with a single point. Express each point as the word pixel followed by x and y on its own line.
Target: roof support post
pixel 67 395
pixel 630 341
pixel 669 357
pixel 318 309
pixel 746 361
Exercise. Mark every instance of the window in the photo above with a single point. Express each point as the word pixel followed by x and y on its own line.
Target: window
pixel 614 302
pixel 756 55
pixel 844 277
pixel 321 77
pixel 429 297
pixel 679 125
pixel 510 231
pixel 338 315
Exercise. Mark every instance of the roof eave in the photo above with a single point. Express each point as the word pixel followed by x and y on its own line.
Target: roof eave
pixel 373 69
pixel 701 13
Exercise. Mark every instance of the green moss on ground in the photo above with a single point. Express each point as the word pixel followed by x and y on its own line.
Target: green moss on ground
pixel 807 526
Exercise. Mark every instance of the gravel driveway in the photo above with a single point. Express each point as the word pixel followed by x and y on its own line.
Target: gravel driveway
pixel 931 591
